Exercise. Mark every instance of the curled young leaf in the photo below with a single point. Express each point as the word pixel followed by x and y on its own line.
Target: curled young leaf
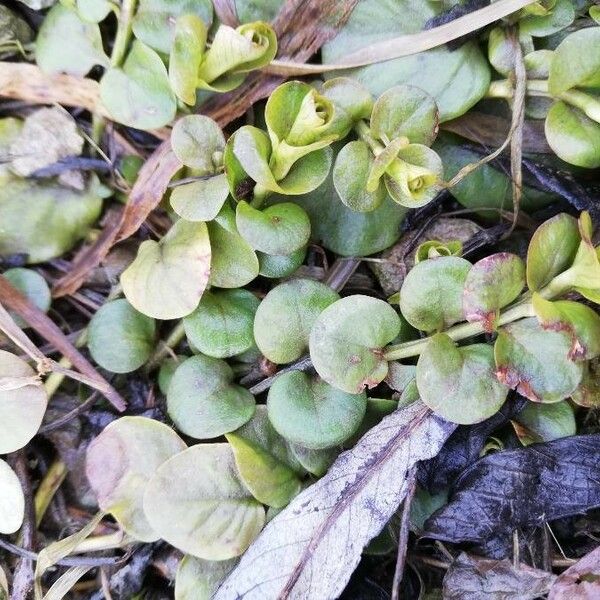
pixel 197 503
pixel 299 121
pixel 347 340
pixel 309 412
pixel 67 44
pixel 351 170
pixel 12 501
pixel 199 579
pixel 120 338
pixel 459 383
pixel 23 402
pixel 279 229
pixel 235 52
pixel 579 321
pixel 405 111
pixel 119 463
pixel 204 402
pixel 552 250
pixel 286 316
pixel 167 278
pixel 536 362
pixel 491 284
pixel 265 461
pixel 247 161
pixel 436 248
pixel 411 172
pixel 222 324
pixel 139 94
pixel 431 297
pixel 186 55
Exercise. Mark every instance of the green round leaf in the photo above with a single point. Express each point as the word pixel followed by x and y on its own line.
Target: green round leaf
pixel 285 318
pixel 198 143
pixel 155 20
pixel 576 62
pixel 166 371
pixel 352 102
pixel 33 286
pixel 311 413
pixel 120 338
pixel 561 16
pixel 202 400
pixel 408 111
pixel 200 200
pixel 346 231
pixel 265 461
pixel 199 579
pixel 347 341
pixel 139 93
pixel 456 78
pixel 491 284
pixel 579 321
pixel 67 44
pixel 536 362
pixel 279 229
pixel 94 11
pixel 119 463
pixel 167 278
pixel 22 403
pixel 12 500
pixel 431 297
pixel 222 325
pixel 44 220
pixel 459 383
pixel 350 174
pixel 552 250
pixel 189 42
pixel 283 265
pixel 573 136
pixel 233 262
pixel 196 502
pixel 545 422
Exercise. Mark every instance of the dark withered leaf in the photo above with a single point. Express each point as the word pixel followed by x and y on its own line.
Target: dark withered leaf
pixel 472 578
pixel 463 448
pixel 580 581
pixel 511 489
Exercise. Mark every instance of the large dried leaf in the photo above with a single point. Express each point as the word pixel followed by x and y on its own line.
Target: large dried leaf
pixel 471 578
pixel 316 542
pixel 553 480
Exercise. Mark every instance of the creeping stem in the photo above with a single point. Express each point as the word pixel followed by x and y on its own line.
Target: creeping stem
pixel 539 87
pixel 364 133
pixel 123 32
pixel 522 309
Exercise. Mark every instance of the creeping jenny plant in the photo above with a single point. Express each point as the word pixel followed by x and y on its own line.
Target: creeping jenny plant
pixel 261 368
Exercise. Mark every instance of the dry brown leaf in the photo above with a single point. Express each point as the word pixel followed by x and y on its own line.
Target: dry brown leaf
pixel 580 581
